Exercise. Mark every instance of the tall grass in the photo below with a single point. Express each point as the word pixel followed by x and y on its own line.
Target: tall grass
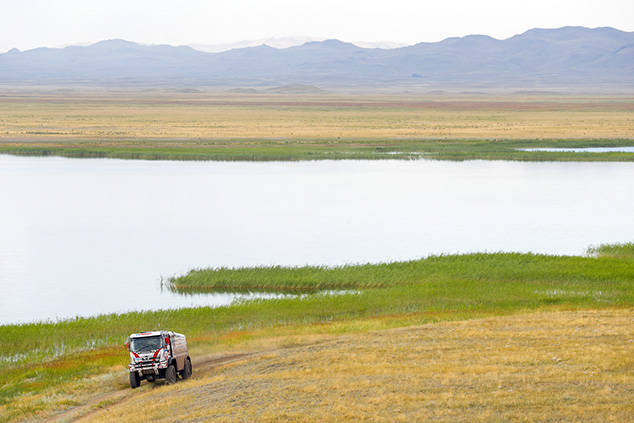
pixel 497 267
pixel 348 149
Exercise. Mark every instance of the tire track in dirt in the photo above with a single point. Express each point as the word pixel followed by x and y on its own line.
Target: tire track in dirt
pixel 83 412
pixel 77 413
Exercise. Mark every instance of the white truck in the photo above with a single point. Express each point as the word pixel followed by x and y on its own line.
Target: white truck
pixel 158 355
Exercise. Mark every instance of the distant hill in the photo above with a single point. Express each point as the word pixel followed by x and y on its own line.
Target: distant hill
pixel 539 59
pixel 296 89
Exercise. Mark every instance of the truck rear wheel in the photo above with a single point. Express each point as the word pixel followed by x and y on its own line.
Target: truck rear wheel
pixel 187 370
pixel 170 374
pixel 135 380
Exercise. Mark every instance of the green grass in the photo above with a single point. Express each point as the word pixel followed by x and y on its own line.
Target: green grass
pixel 495 268
pixel 351 149
pixel 504 281
pixel 38 356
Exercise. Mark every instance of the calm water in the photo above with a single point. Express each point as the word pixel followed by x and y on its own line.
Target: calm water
pixel 80 237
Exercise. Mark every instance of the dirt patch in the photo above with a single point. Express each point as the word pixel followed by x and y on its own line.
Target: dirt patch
pixel 84 412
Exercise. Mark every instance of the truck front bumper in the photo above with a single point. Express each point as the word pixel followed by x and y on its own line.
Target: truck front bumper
pixel 147 367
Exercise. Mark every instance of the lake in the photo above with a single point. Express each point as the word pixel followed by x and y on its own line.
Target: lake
pixel 80 237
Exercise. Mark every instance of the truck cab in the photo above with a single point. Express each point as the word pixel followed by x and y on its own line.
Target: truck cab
pixel 158 355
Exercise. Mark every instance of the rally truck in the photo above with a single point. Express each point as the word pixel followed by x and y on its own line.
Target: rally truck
pixel 158 355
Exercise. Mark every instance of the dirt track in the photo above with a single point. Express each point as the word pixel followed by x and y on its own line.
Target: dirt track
pixel 83 412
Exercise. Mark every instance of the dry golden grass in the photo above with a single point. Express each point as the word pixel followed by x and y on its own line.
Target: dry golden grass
pixel 66 396
pixel 573 366
pixel 175 117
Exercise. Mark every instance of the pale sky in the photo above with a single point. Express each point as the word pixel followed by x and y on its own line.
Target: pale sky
pixel 27 24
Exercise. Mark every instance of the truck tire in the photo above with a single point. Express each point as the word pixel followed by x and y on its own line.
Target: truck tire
pixel 170 374
pixel 187 370
pixel 135 380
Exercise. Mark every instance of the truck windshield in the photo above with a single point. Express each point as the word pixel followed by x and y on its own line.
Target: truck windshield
pixel 146 343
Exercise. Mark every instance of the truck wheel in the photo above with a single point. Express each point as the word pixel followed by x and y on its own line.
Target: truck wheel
pixel 135 380
pixel 187 370
pixel 170 374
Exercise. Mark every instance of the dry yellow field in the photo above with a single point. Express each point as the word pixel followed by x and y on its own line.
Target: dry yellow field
pixel 173 117
pixel 570 366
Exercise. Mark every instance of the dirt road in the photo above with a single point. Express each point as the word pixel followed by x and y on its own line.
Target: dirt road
pixel 84 412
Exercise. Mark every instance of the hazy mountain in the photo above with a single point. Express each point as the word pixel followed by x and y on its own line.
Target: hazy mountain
pixel 536 59
pixel 286 42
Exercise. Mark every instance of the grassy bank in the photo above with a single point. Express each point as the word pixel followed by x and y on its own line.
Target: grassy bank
pixel 501 282
pixel 612 263
pixel 296 150
pixel 43 358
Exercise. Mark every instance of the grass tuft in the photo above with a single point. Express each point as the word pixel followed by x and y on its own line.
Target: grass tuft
pixel 613 250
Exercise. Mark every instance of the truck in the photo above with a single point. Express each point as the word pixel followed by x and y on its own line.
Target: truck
pixel 158 355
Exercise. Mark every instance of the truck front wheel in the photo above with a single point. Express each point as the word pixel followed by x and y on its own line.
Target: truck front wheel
pixel 135 380
pixel 170 374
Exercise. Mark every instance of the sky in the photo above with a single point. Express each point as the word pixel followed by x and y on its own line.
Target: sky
pixel 28 24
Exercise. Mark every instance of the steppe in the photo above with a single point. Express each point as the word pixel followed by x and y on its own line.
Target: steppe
pixel 289 126
pixel 482 337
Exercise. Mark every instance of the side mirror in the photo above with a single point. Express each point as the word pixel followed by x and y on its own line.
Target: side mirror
pixel 127 345
pixel 167 340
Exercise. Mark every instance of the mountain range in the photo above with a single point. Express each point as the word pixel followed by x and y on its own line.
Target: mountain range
pixel 568 57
